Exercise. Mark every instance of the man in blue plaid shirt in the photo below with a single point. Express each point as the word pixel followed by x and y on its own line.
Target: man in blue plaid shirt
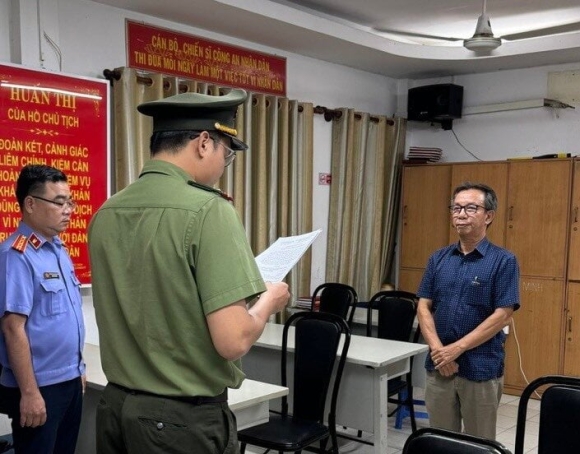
pixel 468 294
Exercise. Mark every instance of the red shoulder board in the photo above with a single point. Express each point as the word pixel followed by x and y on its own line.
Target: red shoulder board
pixel 35 241
pixel 222 194
pixel 228 197
pixel 20 243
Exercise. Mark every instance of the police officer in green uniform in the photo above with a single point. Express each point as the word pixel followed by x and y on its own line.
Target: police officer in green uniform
pixel 172 274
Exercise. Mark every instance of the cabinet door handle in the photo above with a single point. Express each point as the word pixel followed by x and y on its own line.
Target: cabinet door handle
pixel 510 214
pixel 569 324
pixel 575 214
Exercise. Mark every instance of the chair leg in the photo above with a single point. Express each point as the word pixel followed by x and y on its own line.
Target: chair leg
pixel 411 406
pixel 242 448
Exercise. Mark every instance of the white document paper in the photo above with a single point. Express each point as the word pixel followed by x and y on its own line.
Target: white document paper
pixel 277 261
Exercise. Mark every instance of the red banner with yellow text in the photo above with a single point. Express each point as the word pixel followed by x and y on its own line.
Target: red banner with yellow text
pixel 169 52
pixel 60 121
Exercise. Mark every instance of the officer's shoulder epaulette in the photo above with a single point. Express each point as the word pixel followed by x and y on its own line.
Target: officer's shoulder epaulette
pixel 20 243
pixel 209 189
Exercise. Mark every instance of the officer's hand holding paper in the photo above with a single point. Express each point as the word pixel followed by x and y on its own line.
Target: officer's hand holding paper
pixel 276 261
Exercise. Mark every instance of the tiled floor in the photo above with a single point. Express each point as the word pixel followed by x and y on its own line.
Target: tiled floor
pixel 506 430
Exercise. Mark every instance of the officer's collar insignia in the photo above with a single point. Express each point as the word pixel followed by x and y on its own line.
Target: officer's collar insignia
pixel 35 241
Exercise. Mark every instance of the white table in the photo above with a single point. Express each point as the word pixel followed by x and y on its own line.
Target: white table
pixel 362 400
pixel 250 403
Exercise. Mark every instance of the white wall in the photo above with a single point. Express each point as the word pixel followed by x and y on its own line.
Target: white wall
pixel 92 38
pixel 500 135
pixel 4 35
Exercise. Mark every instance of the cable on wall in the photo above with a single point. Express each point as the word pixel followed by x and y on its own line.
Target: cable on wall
pixel 55 48
pixel 39 26
pixel 513 323
pixel 462 146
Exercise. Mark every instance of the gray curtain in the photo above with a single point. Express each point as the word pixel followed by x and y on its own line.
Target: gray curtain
pixel 367 154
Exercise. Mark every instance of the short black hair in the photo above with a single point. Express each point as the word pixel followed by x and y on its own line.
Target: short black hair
pixel 490 199
pixel 33 177
pixel 173 141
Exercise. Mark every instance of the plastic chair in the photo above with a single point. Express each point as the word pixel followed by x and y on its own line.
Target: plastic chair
pixel 559 415
pixel 396 315
pixel 336 298
pixel 317 338
pixel 439 441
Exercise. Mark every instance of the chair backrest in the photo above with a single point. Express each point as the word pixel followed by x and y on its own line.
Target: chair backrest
pixel 440 441
pixel 317 338
pixel 396 314
pixel 336 298
pixel 559 415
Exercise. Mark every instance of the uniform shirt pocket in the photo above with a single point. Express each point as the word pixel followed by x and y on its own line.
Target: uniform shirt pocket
pixel 478 292
pixel 53 300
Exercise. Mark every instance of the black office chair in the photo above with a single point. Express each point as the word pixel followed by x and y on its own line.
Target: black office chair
pixel 336 298
pixel 559 415
pixel 396 315
pixel 430 440
pixel 317 337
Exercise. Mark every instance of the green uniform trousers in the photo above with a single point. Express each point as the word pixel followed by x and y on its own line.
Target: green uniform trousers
pixel 133 423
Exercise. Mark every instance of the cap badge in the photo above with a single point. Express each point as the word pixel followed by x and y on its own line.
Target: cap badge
pixel 226 129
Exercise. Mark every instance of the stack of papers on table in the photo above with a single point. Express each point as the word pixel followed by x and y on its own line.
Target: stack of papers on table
pixel 304 302
pixel 424 154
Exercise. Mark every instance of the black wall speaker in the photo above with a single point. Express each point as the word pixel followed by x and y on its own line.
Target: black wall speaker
pixel 437 103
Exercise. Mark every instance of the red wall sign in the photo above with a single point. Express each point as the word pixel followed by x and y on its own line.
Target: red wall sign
pixel 169 52
pixel 61 121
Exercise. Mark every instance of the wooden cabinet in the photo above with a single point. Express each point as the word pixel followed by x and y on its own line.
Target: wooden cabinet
pixel 537 331
pixel 572 313
pixel 425 226
pixel 538 207
pixel 574 246
pixel 572 331
pixel 538 219
pixel 409 279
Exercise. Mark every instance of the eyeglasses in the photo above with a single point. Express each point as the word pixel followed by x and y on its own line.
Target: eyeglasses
pixel 470 209
pixel 229 158
pixel 66 203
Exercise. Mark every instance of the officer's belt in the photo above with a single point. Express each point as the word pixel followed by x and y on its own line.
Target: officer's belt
pixel 193 400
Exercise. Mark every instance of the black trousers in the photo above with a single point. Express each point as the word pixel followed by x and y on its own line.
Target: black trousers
pixel 64 406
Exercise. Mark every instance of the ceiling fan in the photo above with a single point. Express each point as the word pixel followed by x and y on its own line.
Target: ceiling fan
pixel 483 40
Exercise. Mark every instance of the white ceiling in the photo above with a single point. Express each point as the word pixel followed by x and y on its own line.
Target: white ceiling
pixel 346 31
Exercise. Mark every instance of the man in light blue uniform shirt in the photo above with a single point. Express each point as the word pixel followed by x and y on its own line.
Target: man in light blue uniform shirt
pixel 42 324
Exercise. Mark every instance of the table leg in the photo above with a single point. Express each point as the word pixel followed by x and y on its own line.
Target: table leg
pixel 380 416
